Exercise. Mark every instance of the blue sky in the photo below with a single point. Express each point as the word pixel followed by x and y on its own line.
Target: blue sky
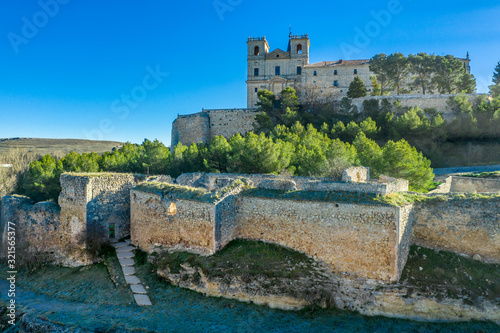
pixel 69 67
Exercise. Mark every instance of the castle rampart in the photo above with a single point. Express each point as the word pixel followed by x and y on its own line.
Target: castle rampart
pixel 343 224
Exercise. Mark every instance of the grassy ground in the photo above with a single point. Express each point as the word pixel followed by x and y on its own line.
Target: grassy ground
pixel 447 274
pixel 247 259
pixel 56 146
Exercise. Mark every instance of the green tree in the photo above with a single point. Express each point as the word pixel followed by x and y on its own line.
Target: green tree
pixel 41 181
pixel 266 100
pixel 369 153
pixel 376 87
pixel 379 66
pixel 422 66
pixel 289 99
pixel 398 70
pixel 346 106
pixel 401 160
pixel 356 88
pixel 219 151
pixel 466 84
pixel 495 88
pixel 448 73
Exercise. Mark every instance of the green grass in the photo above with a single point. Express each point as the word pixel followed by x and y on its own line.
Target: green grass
pixel 450 275
pixel 401 199
pixel 244 258
pixel 327 196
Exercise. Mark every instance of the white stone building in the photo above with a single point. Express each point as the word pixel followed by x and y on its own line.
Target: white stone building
pixel 275 70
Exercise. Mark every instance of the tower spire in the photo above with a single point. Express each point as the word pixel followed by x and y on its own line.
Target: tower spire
pixel 290 29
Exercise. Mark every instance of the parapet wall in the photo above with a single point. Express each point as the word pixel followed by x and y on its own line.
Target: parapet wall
pixel 469 226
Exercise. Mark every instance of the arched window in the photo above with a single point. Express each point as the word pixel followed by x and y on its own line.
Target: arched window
pixel 256 51
pixel 299 49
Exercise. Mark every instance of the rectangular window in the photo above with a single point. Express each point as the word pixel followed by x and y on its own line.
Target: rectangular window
pixel 335 72
pixel 277 70
pixel 255 72
pixel 299 70
pixel 256 89
pixel 336 83
pixel 315 73
pixel 355 71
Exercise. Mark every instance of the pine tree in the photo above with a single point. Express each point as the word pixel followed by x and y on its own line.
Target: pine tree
pixel 376 87
pixel 356 88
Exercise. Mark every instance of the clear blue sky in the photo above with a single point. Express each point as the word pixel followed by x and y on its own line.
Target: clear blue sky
pixel 66 72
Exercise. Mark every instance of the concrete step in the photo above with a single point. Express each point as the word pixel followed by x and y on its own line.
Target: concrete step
pixel 125 255
pixel 128 270
pixel 126 262
pixel 119 245
pixel 138 289
pixel 142 300
pixel 132 279
pixel 125 249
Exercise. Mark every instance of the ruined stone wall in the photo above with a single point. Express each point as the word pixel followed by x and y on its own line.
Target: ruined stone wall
pixel 358 239
pixel 37 226
pixel 468 226
pixel 73 199
pixel 474 185
pixel 212 181
pixel 184 224
pixel 109 205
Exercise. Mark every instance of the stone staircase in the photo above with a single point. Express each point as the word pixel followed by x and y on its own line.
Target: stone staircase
pixel 125 254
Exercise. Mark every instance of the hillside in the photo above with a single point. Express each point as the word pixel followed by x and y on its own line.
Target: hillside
pixel 57 146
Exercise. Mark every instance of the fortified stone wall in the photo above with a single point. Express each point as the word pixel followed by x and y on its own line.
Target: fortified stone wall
pixel 468 226
pixel 205 125
pixel 160 221
pixel 37 226
pixel 364 240
pixel 474 185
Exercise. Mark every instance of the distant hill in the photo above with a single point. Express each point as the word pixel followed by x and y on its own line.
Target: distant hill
pixel 57 146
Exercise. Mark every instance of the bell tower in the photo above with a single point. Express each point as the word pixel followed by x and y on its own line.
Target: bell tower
pixel 298 46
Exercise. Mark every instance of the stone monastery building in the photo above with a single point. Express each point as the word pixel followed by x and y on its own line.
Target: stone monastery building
pixel 275 70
